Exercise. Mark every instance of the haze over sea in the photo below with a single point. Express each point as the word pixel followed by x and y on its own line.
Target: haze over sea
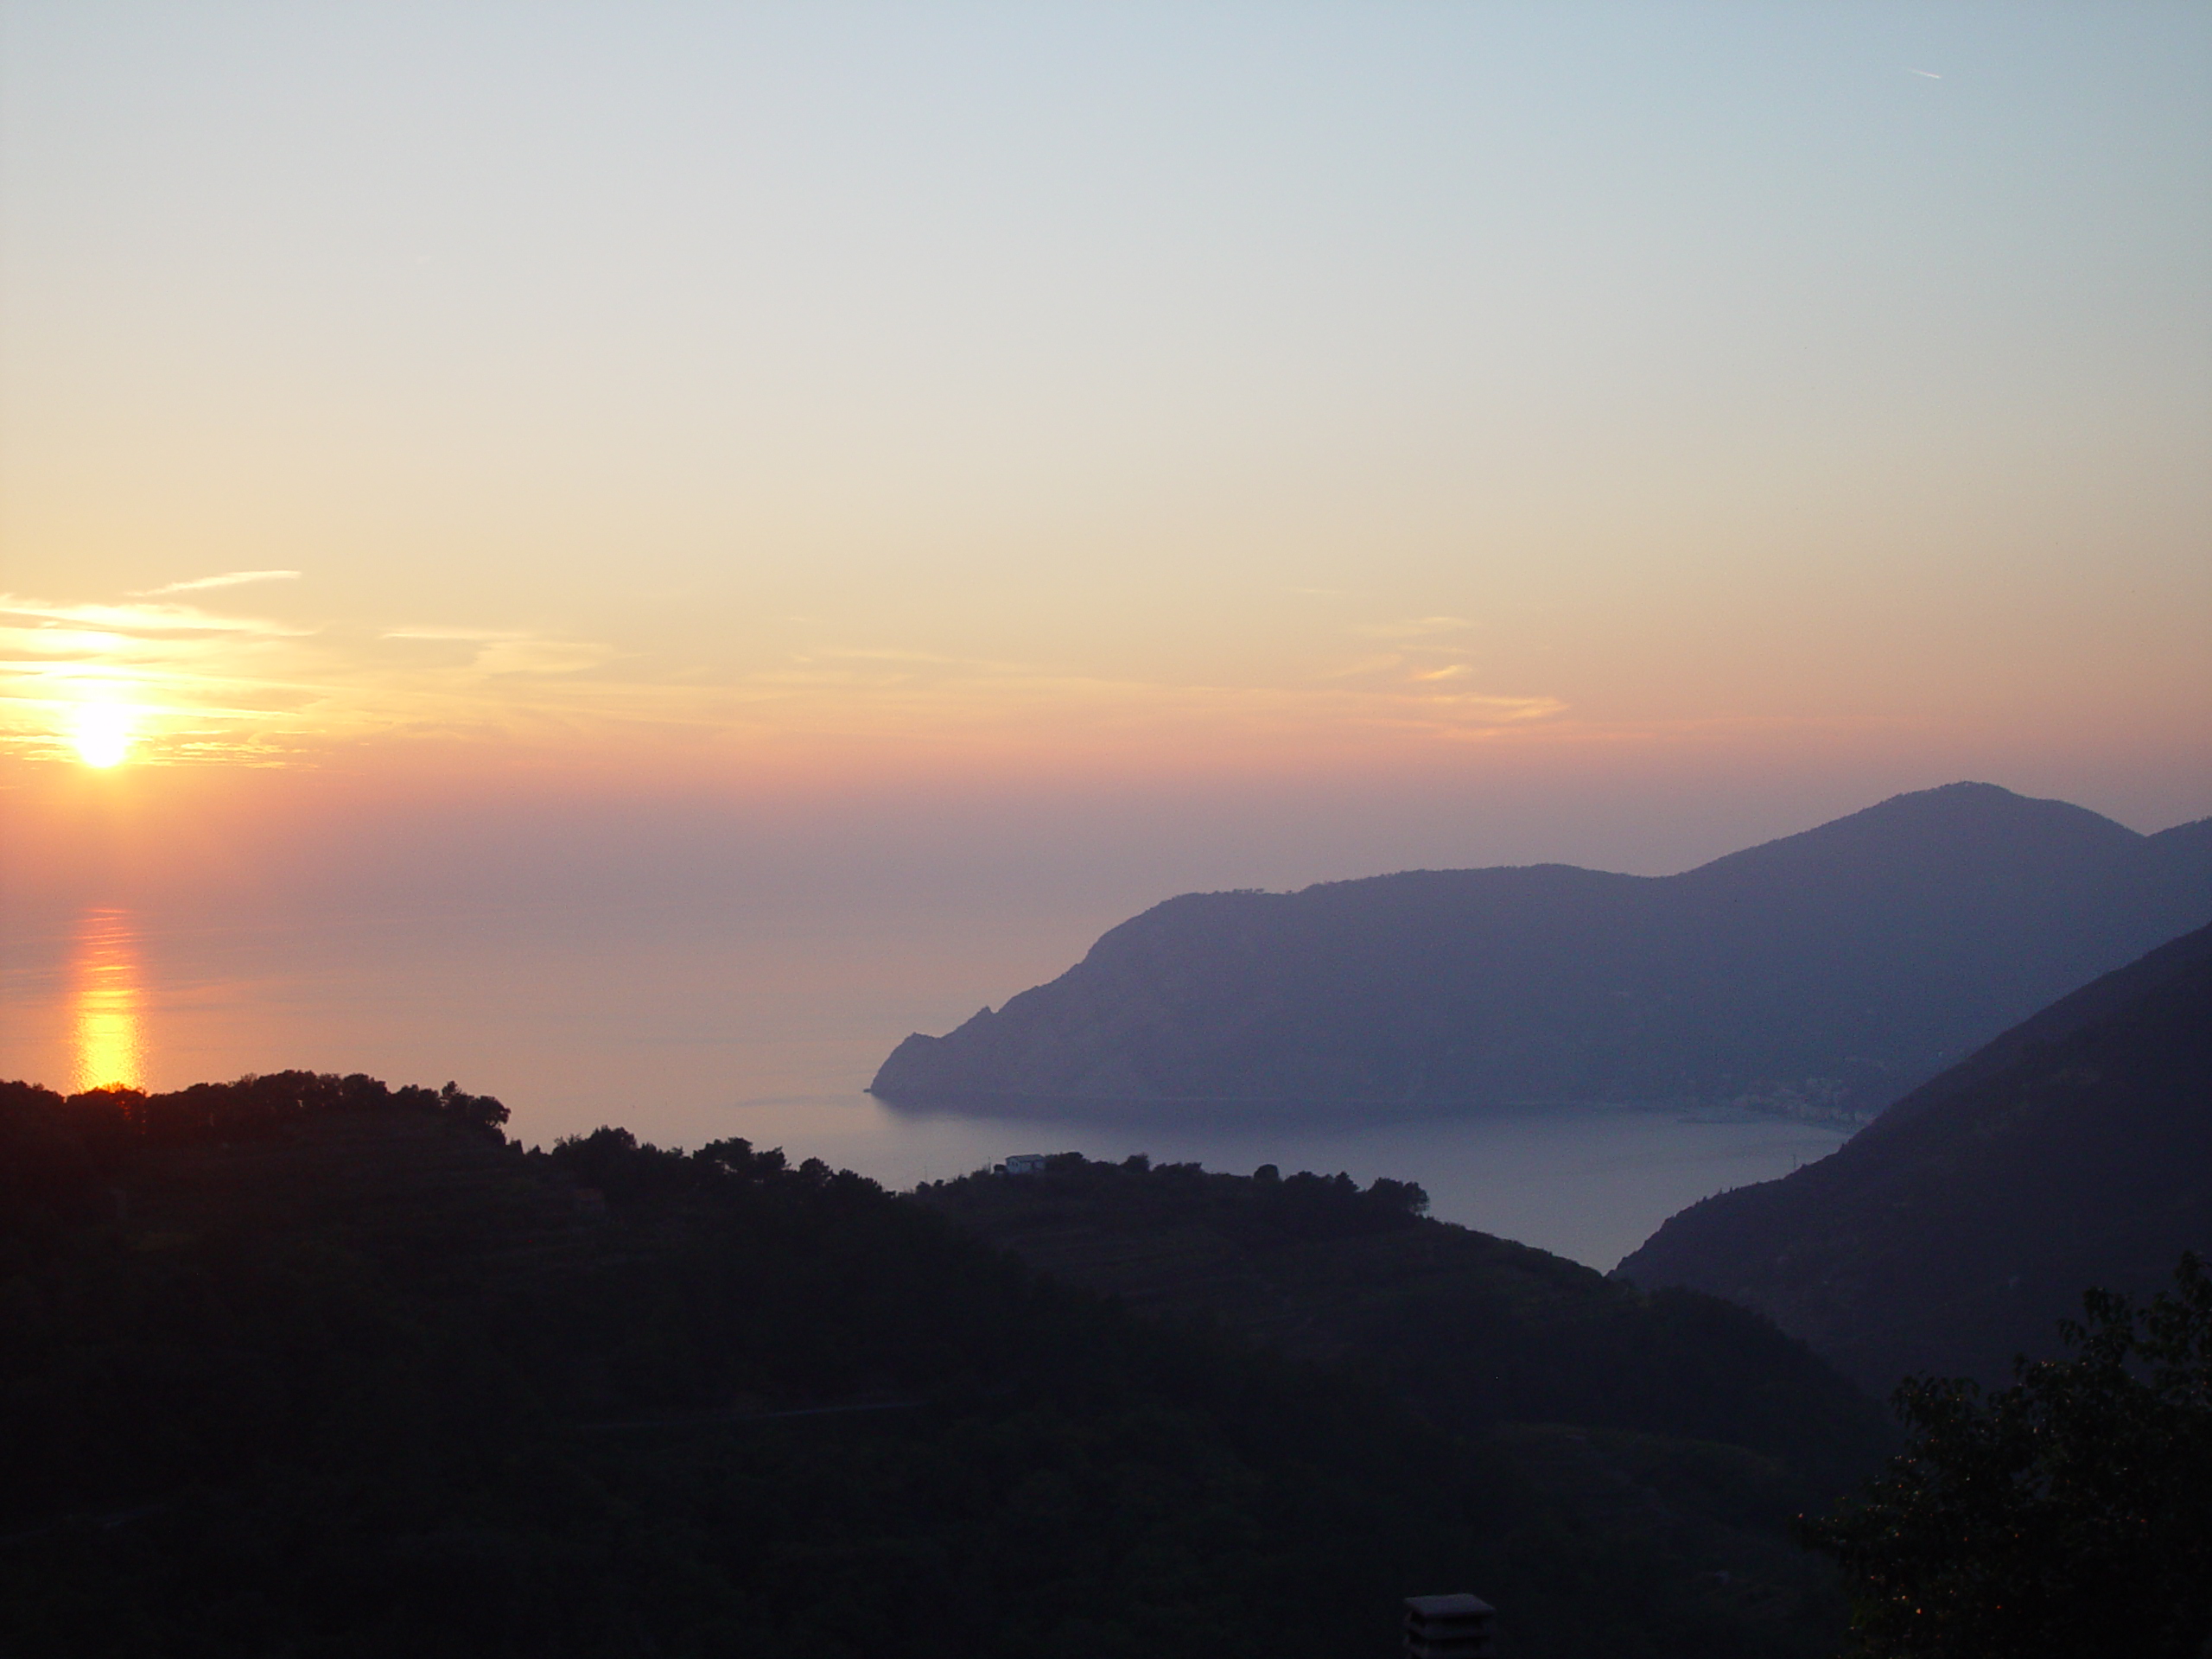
pixel 687 1034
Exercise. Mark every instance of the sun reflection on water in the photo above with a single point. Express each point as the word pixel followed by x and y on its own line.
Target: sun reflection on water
pixel 106 997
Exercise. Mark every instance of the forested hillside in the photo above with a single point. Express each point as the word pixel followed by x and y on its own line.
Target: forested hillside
pixel 2075 1151
pixel 1673 1425
pixel 304 1364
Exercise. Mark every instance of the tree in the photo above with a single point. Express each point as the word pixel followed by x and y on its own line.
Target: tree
pixel 2070 1513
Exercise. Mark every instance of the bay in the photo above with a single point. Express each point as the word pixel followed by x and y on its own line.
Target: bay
pixel 693 1024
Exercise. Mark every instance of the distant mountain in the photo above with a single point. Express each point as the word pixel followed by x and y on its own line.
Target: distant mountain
pixel 2074 1150
pixel 1821 974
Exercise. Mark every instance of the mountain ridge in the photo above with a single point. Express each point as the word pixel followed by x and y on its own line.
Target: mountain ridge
pixel 1820 974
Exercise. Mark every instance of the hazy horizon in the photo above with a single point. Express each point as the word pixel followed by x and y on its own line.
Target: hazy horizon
pixel 921 487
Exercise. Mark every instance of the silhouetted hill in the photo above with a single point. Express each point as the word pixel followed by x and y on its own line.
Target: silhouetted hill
pixel 1674 1426
pixel 1472 1330
pixel 1953 1233
pixel 302 1364
pixel 1823 975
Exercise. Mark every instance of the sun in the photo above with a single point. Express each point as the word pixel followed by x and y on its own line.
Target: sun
pixel 102 736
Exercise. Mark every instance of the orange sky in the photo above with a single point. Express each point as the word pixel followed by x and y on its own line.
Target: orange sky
pixel 1594 431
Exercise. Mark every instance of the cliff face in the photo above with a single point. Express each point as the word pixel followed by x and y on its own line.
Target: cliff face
pixel 1953 1233
pixel 1826 973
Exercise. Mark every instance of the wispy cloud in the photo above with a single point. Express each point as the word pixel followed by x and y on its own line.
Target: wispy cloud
pixel 205 686
pixel 1361 667
pixel 1425 686
pixel 1417 627
pixel 872 654
pixel 529 656
pixel 228 579
pixel 855 690
pixel 135 620
pixel 507 651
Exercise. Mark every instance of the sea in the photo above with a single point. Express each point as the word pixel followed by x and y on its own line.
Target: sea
pixel 688 1025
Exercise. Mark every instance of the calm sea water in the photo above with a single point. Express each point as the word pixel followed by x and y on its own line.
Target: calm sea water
pixel 687 1027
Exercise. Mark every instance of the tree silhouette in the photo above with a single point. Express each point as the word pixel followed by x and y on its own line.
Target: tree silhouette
pixel 2070 1513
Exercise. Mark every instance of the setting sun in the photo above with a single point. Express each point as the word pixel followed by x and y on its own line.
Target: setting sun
pixel 103 735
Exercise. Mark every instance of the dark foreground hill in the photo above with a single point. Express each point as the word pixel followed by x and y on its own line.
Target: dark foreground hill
pixel 304 1365
pixel 1950 1234
pixel 1673 1425
pixel 1824 974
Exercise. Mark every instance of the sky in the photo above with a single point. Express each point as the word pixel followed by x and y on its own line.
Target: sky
pixel 970 456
